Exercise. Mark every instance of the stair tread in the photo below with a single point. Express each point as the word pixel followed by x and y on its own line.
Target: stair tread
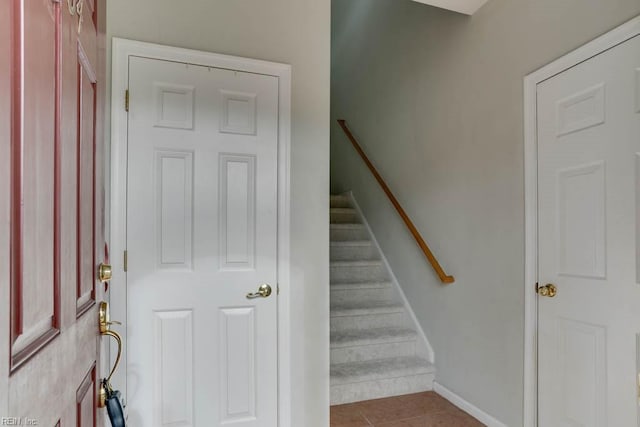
pixel 351 243
pixel 353 372
pixel 339 286
pixel 356 263
pixel 360 309
pixel 357 337
pixel 346 225
pixel 342 210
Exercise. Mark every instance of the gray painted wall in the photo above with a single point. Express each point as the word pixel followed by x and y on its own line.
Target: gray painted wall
pixel 294 32
pixel 437 101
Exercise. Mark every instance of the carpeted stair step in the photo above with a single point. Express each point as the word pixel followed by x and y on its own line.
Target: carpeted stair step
pixel 367 316
pixel 340 201
pixel 353 250
pixel 358 271
pixel 343 216
pixel 343 232
pixel 340 286
pixel 372 379
pixel 362 295
pixel 364 337
pixel 381 350
pixel 366 309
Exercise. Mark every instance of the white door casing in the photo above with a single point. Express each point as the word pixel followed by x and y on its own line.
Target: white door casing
pixel 232 110
pixel 587 133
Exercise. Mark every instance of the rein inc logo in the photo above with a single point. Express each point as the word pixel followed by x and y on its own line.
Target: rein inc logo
pixel 18 421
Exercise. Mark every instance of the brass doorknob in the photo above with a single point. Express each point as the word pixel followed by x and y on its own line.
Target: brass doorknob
pixel 104 272
pixel 263 292
pixel 548 290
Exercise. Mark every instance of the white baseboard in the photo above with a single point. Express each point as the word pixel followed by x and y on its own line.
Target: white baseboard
pixel 478 413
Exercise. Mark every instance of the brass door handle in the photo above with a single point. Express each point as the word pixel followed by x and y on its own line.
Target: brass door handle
pixel 263 292
pixel 104 322
pixel 548 290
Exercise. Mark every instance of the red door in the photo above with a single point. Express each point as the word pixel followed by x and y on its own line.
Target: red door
pixel 51 210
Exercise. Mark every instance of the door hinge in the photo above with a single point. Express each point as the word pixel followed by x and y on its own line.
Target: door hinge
pixel 277 289
pixel 125 260
pixel 126 100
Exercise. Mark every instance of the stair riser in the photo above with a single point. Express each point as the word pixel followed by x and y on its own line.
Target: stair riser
pixel 341 235
pixel 363 295
pixel 366 390
pixel 340 202
pixel 372 321
pixel 364 273
pixel 353 253
pixel 363 353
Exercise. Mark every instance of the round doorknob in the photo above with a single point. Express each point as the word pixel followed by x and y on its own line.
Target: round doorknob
pixel 548 290
pixel 263 291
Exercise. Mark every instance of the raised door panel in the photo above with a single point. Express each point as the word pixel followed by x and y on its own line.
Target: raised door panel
pixel 174 215
pixel 237 212
pixel 582 373
pixel 35 281
pixel 173 370
pixel 238 371
pixel 581 221
pixel 86 139
pixel 85 395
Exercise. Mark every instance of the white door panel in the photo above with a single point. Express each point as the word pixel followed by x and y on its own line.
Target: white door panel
pixel 201 234
pixel 588 140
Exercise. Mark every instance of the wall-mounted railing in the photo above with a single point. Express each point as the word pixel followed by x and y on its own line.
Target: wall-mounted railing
pixel 412 228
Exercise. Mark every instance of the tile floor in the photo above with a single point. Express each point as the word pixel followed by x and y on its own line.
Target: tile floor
pixel 412 410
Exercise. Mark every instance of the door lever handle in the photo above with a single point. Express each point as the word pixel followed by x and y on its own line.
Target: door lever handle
pixel 263 292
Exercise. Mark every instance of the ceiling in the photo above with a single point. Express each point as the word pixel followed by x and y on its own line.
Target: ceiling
pixel 468 7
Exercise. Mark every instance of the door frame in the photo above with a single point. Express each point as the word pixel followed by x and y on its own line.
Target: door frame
pixel 601 44
pixel 122 50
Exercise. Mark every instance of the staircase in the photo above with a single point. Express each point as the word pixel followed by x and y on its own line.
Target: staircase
pixel 376 350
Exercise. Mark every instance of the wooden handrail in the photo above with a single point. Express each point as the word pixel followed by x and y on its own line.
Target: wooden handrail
pixel 412 228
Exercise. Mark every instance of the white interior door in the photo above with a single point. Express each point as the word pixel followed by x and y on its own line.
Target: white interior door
pixel 201 234
pixel 588 184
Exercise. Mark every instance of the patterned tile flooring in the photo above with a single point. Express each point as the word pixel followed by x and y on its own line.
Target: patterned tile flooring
pixel 412 410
